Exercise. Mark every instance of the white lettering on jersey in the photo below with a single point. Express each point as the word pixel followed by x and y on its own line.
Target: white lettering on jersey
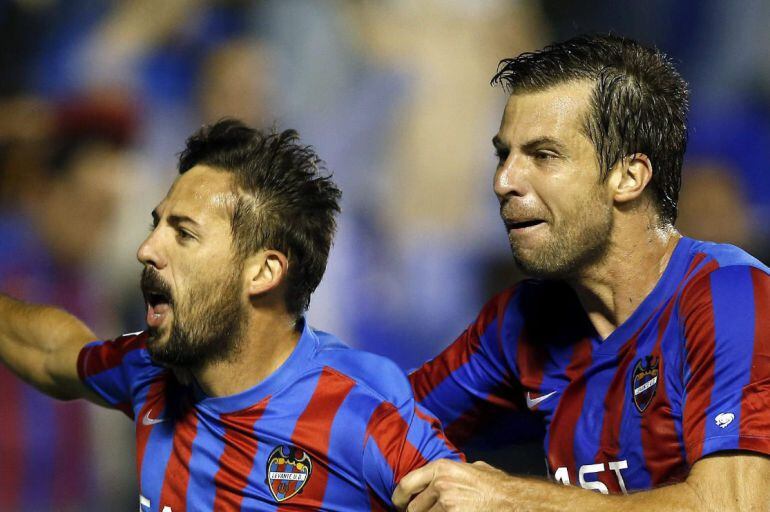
pixel 616 466
pixel 562 476
pixel 592 485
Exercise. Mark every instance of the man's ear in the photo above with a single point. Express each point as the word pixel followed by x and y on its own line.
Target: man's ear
pixel 265 271
pixel 632 174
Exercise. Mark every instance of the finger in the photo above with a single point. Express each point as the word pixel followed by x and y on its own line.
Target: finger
pixel 424 501
pixel 411 484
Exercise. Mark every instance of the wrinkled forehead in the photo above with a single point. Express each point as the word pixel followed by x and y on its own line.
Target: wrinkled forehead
pixel 202 192
pixel 553 112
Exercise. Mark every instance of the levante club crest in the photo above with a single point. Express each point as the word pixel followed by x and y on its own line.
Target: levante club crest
pixel 288 470
pixel 644 382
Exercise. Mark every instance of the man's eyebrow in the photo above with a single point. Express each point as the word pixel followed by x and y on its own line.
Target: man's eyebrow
pixel 175 220
pixel 537 143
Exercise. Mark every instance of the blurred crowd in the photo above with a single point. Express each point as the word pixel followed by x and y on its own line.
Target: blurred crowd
pixel 97 97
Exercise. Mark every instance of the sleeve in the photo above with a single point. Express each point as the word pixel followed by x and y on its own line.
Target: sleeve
pixel 726 370
pixel 117 370
pixel 472 381
pixel 399 440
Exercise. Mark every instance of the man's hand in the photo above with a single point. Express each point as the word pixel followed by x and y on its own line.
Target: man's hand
pixel 723 481
pixel 445 485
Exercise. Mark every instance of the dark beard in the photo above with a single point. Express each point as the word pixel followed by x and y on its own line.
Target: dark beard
pixel 207 327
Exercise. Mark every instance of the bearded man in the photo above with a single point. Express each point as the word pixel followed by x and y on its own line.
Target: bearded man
pixel 644 354
pixel 238 403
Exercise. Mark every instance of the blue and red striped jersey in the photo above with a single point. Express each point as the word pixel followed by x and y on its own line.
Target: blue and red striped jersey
pixel 332 429
pixel 687 375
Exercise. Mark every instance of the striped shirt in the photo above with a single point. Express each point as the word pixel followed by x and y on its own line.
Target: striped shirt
pixel 688 374
pixel 332 429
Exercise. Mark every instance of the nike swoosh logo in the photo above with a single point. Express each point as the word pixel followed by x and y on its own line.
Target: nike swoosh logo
pixel 151 421
pixel 533 402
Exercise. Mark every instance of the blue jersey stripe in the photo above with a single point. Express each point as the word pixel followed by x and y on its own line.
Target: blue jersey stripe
pixel 732 293
pixel 156 457
pixel 346 439
pixel 206 451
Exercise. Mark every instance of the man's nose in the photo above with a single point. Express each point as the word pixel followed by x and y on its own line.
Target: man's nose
pixel 149 253
pixel 510 177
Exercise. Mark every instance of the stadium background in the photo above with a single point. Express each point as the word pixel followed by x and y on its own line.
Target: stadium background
pixel 97 97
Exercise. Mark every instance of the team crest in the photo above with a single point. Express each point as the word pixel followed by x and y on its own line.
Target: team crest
pixel 288 470
pixel 644 382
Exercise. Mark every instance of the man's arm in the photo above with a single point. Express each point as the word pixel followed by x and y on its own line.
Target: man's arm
pixel 475 371
pixel 41 345
pixel 726 481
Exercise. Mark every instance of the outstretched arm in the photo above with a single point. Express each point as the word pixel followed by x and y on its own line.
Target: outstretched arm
pixel 41 345
pixel 728 481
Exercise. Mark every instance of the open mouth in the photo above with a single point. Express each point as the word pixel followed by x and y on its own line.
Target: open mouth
pixel 158 306
pixel 523 224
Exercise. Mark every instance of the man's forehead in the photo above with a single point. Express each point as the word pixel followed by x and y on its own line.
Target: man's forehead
pixel 201 191
pixel 548 113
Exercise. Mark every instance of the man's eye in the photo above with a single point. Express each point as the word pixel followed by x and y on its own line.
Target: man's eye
pixel 184 234
pixel 544 155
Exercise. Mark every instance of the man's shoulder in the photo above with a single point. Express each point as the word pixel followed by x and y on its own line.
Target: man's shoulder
pixel 373 375
pixel 725 255
pixel 724 266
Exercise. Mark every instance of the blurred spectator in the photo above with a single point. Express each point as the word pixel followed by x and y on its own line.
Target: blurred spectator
pixel 63 190
pixel 714 206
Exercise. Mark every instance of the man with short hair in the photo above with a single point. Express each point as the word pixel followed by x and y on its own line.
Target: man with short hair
pixel 645 354
pixel 238 403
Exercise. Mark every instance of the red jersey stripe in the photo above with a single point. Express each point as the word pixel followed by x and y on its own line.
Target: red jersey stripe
pixel 435 425
pixel 660 441
pixel 177 476
pixel 93 360
pixel 389 431
pixel 433 373
pixel 530 358
pixel 570 406
pixel 313 431
pixel 755 404
pixel 237 459
pixel 698 314
pixel 614 404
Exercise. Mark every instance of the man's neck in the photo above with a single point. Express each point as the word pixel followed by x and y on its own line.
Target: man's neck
pixel 611 290
pixel 268 340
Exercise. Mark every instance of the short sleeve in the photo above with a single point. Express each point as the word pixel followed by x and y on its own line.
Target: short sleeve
pixel 472 381
pixel 400 440
pixel 117 370
pixel 726 322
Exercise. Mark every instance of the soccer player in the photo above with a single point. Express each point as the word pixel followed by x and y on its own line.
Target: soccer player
pixel 645 354
pixel 238 403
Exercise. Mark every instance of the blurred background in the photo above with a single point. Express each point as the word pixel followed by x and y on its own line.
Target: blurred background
pixel 97 97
